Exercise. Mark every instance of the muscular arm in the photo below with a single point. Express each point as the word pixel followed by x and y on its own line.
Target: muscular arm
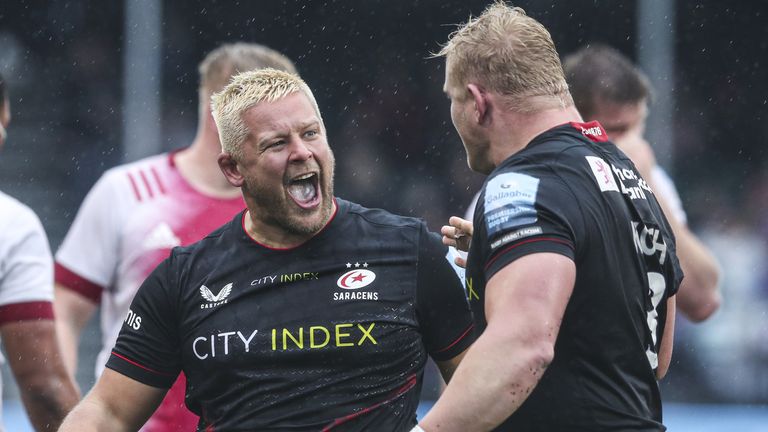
pixel 72 313
pixel 525 303
pixel 116 403
pixel 33 354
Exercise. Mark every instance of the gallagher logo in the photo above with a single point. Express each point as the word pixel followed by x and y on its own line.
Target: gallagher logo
pixel 356 279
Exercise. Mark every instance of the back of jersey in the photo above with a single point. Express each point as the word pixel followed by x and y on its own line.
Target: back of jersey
pixel 590 204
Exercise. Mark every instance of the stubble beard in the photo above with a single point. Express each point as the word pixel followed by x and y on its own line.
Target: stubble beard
pixel 279 210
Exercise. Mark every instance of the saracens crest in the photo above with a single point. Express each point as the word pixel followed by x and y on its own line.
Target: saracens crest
pixel 353 280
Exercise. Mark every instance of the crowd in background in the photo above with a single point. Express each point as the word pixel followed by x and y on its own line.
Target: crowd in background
pixel 389 124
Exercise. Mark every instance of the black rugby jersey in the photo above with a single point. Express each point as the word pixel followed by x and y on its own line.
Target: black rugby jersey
pixel 330 335
pixel 572 192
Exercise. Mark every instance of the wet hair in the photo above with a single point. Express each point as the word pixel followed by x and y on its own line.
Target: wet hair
pixel 599 73
pixel 509 53
pixel 244 92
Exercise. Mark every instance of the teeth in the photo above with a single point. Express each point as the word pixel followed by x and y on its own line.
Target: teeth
pixel 304 177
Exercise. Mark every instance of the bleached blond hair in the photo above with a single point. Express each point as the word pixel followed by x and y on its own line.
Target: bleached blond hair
pixel 510 53
pixel 245 91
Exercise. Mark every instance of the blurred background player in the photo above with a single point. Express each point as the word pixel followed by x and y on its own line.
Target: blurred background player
pixel 608 88
pixel 137 212
pixel 26 312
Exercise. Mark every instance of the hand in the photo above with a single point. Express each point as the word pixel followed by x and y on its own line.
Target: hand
pixel 458 233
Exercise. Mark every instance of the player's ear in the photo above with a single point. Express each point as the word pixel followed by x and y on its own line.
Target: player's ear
pixel 480 97
pixel 231 169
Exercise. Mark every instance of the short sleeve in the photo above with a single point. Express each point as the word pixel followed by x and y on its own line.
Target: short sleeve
pixel 523 213
pixel 147 348
pixel 443 311
pixel 26 268
pixel 88 256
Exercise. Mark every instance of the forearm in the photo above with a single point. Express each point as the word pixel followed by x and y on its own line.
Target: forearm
pixel 92 415
pixel 72 313
pixel 524 306
pixel 33 355
pixel 492 381
pixel 69 337
pixel 699 294
pixel 49 400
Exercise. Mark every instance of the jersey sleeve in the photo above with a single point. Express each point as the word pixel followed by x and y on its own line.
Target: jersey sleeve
pixel 443 311
pixel 147 348
pixel 523 213
pixel 26 270
pixel 86 260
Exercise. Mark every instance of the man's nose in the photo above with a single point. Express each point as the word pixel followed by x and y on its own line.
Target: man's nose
pixel 300 151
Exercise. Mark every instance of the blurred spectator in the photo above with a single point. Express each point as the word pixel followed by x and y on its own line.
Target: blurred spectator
pixel 26 314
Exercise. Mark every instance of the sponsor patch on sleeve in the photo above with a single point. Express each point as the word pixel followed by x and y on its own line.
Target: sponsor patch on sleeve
pixel 510 200
pixel 603 174
pixel 516 235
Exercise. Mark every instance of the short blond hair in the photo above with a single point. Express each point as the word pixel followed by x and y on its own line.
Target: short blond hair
pixel 245 91
pixel 509 53
pixel 230 59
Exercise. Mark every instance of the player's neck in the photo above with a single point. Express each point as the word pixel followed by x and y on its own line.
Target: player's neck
pixel 198 165
pixel 276 237
pixel 516 130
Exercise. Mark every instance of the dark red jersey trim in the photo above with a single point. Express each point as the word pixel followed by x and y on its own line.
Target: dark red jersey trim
pixel 28 311
pixel 409 384
pixel 146 183
pixel 172 156
pixel 502 252
pixel 134 186
pixel 592 130
pixel 333 216
pixel 466 332
pixel 157 180
pixel 74 282
pixel 139 365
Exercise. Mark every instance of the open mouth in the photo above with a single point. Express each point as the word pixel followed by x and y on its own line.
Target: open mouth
pixel 304 190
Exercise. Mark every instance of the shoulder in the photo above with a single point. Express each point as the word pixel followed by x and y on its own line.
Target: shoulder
pixel 143 178
pixel 15 215
pixel 376 217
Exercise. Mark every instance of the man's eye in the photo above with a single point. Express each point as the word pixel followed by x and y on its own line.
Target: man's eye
pixel 310 133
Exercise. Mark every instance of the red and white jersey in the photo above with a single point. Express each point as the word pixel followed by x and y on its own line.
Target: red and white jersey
pixel 26 266
pixel 127 224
